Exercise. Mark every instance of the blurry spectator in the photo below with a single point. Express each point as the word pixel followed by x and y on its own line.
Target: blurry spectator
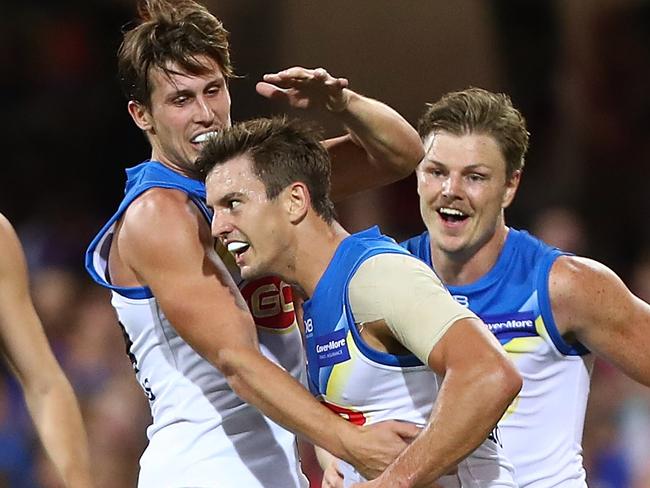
pixel 563 228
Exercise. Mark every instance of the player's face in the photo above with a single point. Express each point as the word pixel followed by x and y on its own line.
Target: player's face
pixel 185 110
pixel 463 190
pixel 252 227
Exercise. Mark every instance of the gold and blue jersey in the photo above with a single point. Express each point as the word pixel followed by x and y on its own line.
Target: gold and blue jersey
pixel 202 434
pixel 366 386
pixel 542 429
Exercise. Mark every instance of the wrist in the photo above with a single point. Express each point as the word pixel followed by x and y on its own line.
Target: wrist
pixel 341 104
pixel 346 438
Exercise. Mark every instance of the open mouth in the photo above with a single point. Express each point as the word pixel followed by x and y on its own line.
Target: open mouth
pixel 238 248
pixel 201 138
pixel 452 215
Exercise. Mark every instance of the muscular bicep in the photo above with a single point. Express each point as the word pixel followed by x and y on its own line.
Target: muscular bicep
pixel 166 242
pixel 407 295
pixel 592 304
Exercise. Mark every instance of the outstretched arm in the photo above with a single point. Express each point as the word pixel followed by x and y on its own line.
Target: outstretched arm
pixel 593 305
pixel 49 396
pixel 380 146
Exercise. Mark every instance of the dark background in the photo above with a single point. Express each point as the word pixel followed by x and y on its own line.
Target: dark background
pixel 578 69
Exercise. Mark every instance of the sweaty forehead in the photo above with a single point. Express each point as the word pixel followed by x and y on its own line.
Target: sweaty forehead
pixel 467 149
pixel 234 175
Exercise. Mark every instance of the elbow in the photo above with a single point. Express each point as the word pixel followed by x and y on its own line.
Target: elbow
pixel 231 363
pixel 509 380
pixel 408 159
pixel 239 366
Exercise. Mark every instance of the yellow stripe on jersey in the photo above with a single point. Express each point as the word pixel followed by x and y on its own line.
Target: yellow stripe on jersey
pixel 340 374
pixel 518 345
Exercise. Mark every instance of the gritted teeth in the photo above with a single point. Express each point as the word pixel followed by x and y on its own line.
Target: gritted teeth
pixel 236 247
pixel 451 212
pixel 204 137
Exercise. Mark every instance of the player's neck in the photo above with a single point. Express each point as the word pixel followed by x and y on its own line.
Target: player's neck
pixel 469 265
pixel 158 156
pixel 316 248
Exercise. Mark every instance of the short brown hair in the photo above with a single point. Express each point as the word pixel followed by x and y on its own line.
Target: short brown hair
pixel 282 152
pixel 479 111
pixel 170 31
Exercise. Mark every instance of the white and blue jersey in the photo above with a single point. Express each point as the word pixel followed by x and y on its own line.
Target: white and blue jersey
pixel 367 386
pixel 202 434
pixel 542 429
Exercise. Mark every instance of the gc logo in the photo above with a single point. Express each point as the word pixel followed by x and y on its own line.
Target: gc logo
pixel 270 302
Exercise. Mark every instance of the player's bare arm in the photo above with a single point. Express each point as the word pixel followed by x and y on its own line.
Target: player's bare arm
pixel 591 304
pixel 479 384
pixel 198 296
pixel 381 146
pixel 479 380
pixel 49 396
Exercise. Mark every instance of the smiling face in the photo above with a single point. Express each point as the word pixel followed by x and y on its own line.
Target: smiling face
pixel 253 228
pixel 463 190
pixel 184 110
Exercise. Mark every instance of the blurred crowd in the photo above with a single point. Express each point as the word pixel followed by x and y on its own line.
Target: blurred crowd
pixel 580 79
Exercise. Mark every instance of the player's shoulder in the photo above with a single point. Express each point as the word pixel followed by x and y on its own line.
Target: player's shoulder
pixel 392 269
pixel 162 220
pixel 569 272
pixel 578 287
pixel 160 210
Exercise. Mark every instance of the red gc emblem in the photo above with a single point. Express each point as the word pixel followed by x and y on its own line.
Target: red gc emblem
pixel 270 302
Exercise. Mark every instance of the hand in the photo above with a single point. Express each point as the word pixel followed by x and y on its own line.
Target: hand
pixel 306 88
pixel 332 477
pixel 374 447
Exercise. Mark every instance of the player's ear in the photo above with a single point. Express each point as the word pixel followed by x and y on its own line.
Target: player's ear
pixel 511 189
pixel 297 201
pixel 140 115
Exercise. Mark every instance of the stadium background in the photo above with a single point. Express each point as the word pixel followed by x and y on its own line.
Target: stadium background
pixel 579 70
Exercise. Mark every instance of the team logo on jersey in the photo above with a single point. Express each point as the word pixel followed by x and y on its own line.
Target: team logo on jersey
pixel 332 348
pixel 270 302
pixel 508 326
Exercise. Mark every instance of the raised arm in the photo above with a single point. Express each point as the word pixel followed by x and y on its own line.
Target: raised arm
pixel 593 305
pixel 380 146
pixel 49 396
pixel 167 243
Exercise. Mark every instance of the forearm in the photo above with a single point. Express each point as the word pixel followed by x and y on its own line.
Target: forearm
pixel 279 396
pixel 387 138
pixel 467 408
pixel 57 418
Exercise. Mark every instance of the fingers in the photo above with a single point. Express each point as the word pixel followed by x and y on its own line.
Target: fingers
pixel 406 430
pixel 297 76
pixel 332 477
pixel 269 90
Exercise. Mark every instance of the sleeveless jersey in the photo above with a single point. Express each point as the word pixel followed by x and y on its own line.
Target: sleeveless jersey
pixel 202 434
pixel 366 386
pixel 542 429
